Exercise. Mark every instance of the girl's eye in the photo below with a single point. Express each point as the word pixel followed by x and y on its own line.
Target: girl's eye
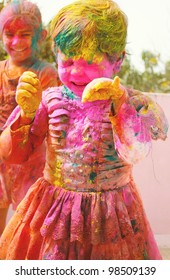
pixel 67 63
pixel 8 34
pixel 26 35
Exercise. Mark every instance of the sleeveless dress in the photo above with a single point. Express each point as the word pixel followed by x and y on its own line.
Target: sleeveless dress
pixel 86 206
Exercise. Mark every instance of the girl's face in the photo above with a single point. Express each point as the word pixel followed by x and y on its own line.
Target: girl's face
pixel 19 40
pixel 77 73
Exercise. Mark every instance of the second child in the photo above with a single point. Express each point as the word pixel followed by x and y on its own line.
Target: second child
pixel 21 33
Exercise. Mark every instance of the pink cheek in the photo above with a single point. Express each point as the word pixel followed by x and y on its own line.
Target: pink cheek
pixel 64 71
pixel 7 42
pixel 15 42
pixel 94 73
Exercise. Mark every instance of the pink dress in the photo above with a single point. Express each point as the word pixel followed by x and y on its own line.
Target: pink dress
pixel 15 180
pixel 86 206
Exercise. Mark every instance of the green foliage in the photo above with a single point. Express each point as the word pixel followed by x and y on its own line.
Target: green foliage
pixel 151 79
pixel 45 51
pixel 3 54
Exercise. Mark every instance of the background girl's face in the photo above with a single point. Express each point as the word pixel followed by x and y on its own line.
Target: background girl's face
pixel 77 73
pixel 19 40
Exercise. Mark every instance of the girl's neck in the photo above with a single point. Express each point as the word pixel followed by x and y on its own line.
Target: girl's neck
pixel 15 69
pixel 23 64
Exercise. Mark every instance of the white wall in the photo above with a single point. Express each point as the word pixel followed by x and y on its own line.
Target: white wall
pixel 152 176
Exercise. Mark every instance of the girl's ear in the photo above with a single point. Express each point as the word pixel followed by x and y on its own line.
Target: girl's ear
pixel 118 63
pixel 122 56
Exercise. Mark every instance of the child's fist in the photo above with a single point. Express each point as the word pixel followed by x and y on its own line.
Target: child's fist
pixel 103 89
pixel 28 93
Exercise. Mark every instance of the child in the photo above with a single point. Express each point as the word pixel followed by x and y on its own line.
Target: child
pixel 86 206
pixel 21 32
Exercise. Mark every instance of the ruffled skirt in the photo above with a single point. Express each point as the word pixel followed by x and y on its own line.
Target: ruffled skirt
pixel 56 224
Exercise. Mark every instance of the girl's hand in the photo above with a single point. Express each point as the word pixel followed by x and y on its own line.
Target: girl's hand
pixel 28 94
pixel 103 89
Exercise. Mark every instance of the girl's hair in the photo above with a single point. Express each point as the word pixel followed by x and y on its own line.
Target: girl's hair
pixel 21 8
pixel 89 26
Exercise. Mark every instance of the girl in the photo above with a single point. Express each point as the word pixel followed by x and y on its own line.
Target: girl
pixel 21 33
pixel 86 206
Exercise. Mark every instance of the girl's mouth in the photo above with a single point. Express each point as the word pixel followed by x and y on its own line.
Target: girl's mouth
pixel 80 84
pixel 18 50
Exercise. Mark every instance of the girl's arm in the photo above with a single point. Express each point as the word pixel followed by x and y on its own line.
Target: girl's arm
pixel 136 118
pixel 138 121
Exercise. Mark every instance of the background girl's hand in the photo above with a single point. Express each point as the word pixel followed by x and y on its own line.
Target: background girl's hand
pixel 28 94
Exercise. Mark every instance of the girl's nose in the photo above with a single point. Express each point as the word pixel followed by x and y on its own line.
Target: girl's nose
pixel 15 40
